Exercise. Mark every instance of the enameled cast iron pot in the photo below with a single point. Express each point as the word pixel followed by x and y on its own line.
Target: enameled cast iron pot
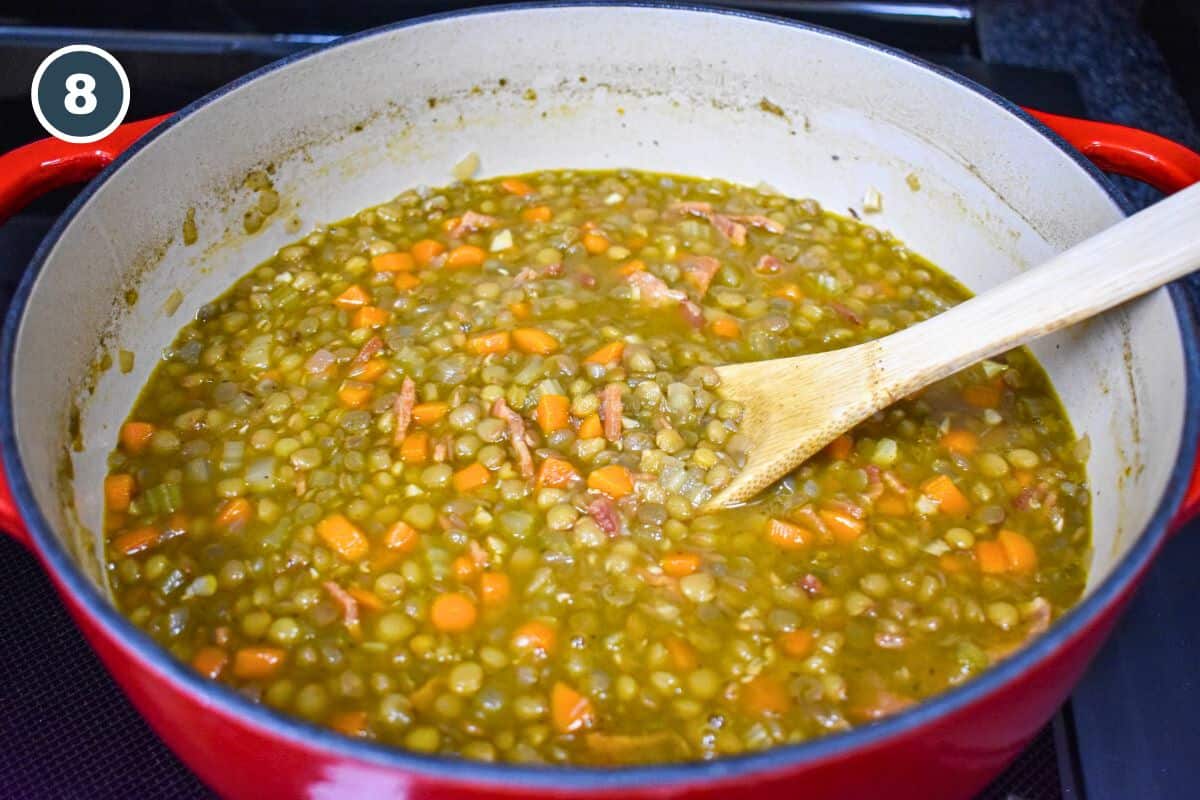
pixel 664 89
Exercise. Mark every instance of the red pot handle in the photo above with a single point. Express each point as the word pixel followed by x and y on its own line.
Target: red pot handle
pixel 30 171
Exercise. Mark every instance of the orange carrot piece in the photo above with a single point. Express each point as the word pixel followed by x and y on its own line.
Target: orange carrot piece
pixel 841 448
pixel 426 250
pixel 535 636
pixel 487 343
pixel 452 612
pixel 415 448
pixel 534 340
pixel 553 412
pixel 844 527
pixel 608 354
pixel 354 297
pixel 726 328
pixel 350 723
pixel 343 537
pixel 1018 551
pixel 135 436
pixel 494 589
pixel 366 598
pixel 355 394
pixel 393 262
pixel 516 186
pixel 257 663
pixel 234 513
pixel 764 694
pixel 591 427
pixel 210 662
pixel 613 480
pixel 521 310
pixel 981 395
pixel 537 214
pixel 951 562
pixel 118 491
pixel 679 565
pixel 788 536
pixel 991 557
pixel 797 643
pixel 964 443
pixel 405 281
pixel 470 478
pixel 370 317
pixel 595 243
pixel 464 568
pixel 369 371
pixel 401 537
pixel 556 473
pixel 137 540
pixel 948 496
pixel 683 655
pixel 429 413
pixel 464 256
pixel 630 267
pixel 891 504
pixel 570 711
pixel 789 291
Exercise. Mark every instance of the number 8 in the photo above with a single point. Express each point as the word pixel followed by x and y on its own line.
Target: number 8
pixel 80 97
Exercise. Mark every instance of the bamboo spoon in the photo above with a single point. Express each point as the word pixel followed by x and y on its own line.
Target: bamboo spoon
pixel 796 406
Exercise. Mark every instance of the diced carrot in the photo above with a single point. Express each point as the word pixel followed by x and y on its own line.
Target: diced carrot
pixel 764 694
pixel 401 537
pixel 136 540
pixel 257 663
pixel 114 520
pixel 370 317
pixel 343 537
pixel 415 448
pixel 553 412
pixel 369 371
pixel 234 513
pixel 210 662
pixel 891 504
pixel 607 354
pixel 464 568
pixel 678 565
pixel 366 598
pixel 613 480
pixel 349 723
pixel 535 636
pixel 516 186
pixel 429 413
pixel 355 394
pixel 135 436
pixel 630 267
pixel 591 427
pixel 382 561
pixel 844 527
pixel 494 588
pixel 683 655
pixel 556 473
pixel 991 557
pixel 534 340
pixel 595 243
pixel 470 478
pixel 487 343
pixel 1023 477
pixel 797 643
pixel 406 281
pixel 982 395
pixel 118 491
pixel 964 443
pixel 426 250
pixel 393 262
pixel 521 310
pixel 452 612
pixel 726 327
pixel 450 223
pixel 1019 551
pixel 841 448
pixel 464 256
pixel 354 297
pixel 789 291
pixel 177 523
pixel 537 214
pixel 951 562
pixel 788 536
pixel 950 500
pixel 570 711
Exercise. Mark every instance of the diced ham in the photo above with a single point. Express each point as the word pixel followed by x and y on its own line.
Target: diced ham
pixel 845 312
pixel 222 635
pixel 320 362
pixel 604 512
pixel 478 554
pixel 554 270
pixel 403 408
pixel 874 482
pixel 810 518
pixel 696 209
pixel 586 279
pixel 730 228
pixel 525 275
pixel 812 585
pixel 758 221
pixel 768 265
pixel 346 601
pixel 699 271
pixel 849 509
pixel 893 482
pixel 471 222
pixel 516 435
pixel 693 314
pixel 369 350
pixel 441 449
pixel 610 411
pixel 1039 614
pixel 652 290
pixel 884 704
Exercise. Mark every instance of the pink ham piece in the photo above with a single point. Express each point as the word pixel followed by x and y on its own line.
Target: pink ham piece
pixel 403 408
pixel 730 228
pixel 320 362
pixel 699 271
pixel 604 512
pixel 812 585
pixel 471 222
pixel 758 221
pixel 696 209
pixel 652 290
pixel 516 435
pixel 610 411
pixel 768 265
pixel 346 601
pixel 846 313
pixel 368 350
pixel 693 314
pixel 526 275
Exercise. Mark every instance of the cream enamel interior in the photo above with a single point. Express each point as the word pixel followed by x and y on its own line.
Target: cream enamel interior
pixel 665 90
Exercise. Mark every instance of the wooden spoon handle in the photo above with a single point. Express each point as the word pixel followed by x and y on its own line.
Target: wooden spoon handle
pixel 1141 253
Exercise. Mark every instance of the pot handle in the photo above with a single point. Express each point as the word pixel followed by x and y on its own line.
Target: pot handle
pixel 26 174
pixel 1167 166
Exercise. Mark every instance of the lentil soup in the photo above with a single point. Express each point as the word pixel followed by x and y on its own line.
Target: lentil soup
pixel 430 476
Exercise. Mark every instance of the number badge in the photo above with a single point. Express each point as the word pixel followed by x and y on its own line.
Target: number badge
pixel 80 93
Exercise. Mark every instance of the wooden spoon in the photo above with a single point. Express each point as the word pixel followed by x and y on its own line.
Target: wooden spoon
pixel 796 406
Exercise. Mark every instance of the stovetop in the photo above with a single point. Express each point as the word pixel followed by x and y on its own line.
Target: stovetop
pixel 1127 732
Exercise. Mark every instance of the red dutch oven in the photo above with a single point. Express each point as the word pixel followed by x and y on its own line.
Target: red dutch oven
pixel 667 89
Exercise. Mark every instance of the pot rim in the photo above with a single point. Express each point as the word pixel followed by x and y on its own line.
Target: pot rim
pixel 273 723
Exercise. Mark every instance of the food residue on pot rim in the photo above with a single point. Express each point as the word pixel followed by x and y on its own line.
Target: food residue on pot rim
pixel 189 227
